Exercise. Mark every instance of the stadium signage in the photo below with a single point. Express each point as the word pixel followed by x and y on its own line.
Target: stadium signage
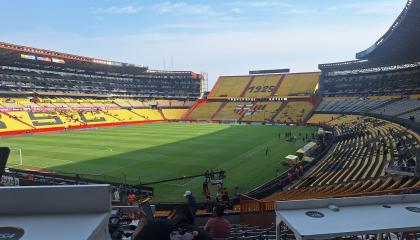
pixel 373 69
pixel 9 181
pixel 56 60
pixel 11 233
pixel 44 59
pixel 30 57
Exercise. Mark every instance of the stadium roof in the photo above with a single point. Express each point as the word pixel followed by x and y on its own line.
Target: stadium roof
pixel 401 42
pixel 50 53
pixel 399 45
pixel 330 218
pixel 53 56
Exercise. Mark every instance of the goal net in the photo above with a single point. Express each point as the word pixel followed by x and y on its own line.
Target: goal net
pixel 15 158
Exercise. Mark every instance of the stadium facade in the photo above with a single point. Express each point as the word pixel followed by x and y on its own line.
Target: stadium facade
pixel 391 66
pixel 27 71
pixel 368 111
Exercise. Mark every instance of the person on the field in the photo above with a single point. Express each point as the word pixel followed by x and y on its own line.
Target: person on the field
pixel 266 151
pixel 191 202
pixel 218 226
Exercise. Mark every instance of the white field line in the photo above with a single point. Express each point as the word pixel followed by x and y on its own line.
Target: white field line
pixel 62 161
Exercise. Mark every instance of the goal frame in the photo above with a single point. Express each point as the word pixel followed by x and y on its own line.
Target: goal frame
pixel 20 160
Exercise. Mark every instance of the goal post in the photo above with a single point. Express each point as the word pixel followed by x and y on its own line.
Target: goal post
pixel 15 157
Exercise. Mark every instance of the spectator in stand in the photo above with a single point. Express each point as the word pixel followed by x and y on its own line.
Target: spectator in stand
pixel 191 202
pixel 301 169
pixel 179 225
pixel 297 173
pixel 280 184
pixel 218 226
pixel 290 176
pixel 131 199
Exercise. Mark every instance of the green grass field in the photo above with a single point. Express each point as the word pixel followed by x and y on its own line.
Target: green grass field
pixel 152 152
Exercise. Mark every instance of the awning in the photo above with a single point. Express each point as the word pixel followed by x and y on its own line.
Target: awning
pixel 291 157
pixel 307 148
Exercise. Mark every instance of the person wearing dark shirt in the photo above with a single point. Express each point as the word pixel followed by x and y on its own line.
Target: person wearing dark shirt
pixel 191 202
pixel 179 225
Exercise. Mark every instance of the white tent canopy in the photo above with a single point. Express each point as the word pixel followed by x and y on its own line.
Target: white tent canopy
pixel 291 157
pixel 307 147
pixel 316 219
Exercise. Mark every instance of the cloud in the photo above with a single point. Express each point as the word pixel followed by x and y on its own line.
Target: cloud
pixel 279 7
pixel 375 7
pixel 182 8
pixel 236 10
pixel 223 46
pixel 130 9
pixel 259 4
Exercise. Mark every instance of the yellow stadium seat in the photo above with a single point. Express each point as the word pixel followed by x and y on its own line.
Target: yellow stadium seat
pixel 204 112
pixel 230 87
pixel 232 111
pixel 8 124
pixel 174 114
pixel 149 114
pixel 299 84
pixel 263 86
pixel 322 118
pixel 294 112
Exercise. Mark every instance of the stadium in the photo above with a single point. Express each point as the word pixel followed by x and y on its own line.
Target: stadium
pixel 289 155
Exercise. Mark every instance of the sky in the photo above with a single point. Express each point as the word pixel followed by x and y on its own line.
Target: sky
pixel 219 37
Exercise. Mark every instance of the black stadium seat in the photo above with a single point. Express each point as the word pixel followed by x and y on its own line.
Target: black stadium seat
pixel 4 155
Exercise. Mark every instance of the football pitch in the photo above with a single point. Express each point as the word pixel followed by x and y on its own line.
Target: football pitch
pixel 153 152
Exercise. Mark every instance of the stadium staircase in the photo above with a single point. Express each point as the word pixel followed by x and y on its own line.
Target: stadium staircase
pixel 278 111
pixel 144 117
pixel 112 116
pixel 163 115
pixel 316 101
pixel 198 103
pixel 276 88
pixel 247 86
pixel 218 110
pixel 19 120
pixel 241 117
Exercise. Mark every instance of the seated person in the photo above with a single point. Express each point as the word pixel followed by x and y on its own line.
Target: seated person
pixel 218 226
pixel 179 225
